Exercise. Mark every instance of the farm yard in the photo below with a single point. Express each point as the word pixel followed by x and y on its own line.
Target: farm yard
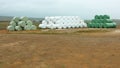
pixel 66 48
pixel 59 34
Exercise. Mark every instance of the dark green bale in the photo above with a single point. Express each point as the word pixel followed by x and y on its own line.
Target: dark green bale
pixel 97 17
pixel 106 17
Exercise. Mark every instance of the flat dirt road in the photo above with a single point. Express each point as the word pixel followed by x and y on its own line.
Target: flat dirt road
pixel 86 50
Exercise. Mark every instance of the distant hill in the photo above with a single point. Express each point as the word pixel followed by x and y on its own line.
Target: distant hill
pixel 117 21
pixel 5 18
pixel 8 18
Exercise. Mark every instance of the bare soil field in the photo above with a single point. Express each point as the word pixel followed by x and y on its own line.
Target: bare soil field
pixel 66 48
pixel 60 48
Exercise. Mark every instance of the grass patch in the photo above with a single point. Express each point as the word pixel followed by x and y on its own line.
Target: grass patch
pixel 63 66
pixel 93 31
pixel 1 63
pixel 62 31
pixel 3 25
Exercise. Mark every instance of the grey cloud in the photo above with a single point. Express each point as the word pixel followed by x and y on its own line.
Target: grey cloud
pixel 40 8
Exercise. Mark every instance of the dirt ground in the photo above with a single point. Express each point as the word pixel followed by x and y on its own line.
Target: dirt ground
pixel 79 50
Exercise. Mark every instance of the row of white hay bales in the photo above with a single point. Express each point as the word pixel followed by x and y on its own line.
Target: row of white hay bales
pixel 62 22
pixel 21 23
pixel 51 22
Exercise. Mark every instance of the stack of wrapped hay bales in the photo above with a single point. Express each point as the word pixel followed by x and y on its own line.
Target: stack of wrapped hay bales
pixel 62 22
pixel 102 21
pixel 22 23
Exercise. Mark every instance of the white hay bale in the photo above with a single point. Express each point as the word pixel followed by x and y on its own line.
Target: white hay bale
pixel 59 27
pixel 49 26
pixel 77 25
pixel 11 28
pixel 27 27
pixel 22 23
pixel 16 19
pixel 56 26
pixel 29 22
pixel 80 25
pixel 42 26
pixel 64 27
pixel 64 22
pixel 33 27
pixel 24 18
pixel 50 22
pixel 58 22
pixel 44 22
pixel 13 23
pixel 18 28
pixel 84 24
pixel 68 26
pixel 73 25
pixel 52 27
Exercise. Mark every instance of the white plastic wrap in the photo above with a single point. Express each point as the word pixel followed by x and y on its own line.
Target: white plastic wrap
pixel 18 28
pixel 29 22
pixel 24 18
pixel 27 27
pixel 11 28
pixel 16 19
pixel 62 22
pixel 33 27
pixel 22 23
pixel 13 23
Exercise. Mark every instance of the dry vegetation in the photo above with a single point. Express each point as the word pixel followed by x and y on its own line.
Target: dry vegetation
pixel 68 48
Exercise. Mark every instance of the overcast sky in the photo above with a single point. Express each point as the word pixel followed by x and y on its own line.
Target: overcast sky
pixel 86 9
